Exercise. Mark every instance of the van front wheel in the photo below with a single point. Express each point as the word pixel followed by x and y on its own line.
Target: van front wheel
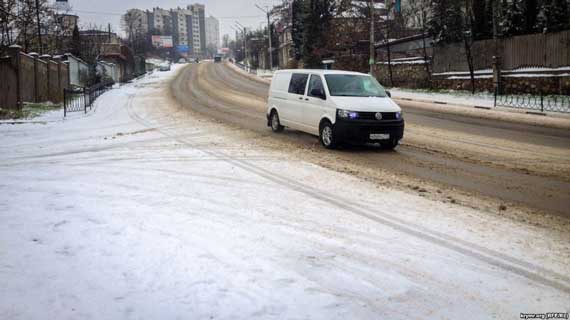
pixel 327 136
pixel 274 122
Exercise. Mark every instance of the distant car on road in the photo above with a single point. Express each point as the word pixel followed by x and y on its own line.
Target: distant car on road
pixel 337 106
pixel 164 67
pixel 217 58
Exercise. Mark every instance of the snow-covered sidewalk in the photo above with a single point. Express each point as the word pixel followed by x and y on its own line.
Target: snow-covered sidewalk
pixel 480 99
pixel 140 210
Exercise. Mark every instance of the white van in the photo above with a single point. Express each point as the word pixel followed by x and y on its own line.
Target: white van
pixel 338 106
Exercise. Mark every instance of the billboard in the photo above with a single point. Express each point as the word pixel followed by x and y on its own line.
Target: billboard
pixel 162 41
pixel 183 48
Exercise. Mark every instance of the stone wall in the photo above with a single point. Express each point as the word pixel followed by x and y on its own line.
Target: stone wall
pixel 413 75
pixel 407 75
pixel 509 84
pixel 536 85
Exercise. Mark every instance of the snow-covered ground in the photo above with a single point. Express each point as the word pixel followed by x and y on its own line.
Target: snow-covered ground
pixel 482 99
pixel 140 210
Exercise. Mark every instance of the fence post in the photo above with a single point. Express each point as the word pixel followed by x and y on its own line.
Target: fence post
pixel 85 96
pixel 497 74
pixel 36 76
pixel 14 53
pixel 541 102
pixel 64 103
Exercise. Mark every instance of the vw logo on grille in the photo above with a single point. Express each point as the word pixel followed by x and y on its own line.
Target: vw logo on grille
pixel 378 115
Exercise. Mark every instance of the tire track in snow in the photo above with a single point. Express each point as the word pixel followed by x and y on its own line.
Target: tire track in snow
pixel 507 263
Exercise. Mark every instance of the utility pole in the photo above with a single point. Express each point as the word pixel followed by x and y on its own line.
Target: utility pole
pixel 244 41
pixel 39 27
pixel 372 49
pixel 238 31
pixel 268 35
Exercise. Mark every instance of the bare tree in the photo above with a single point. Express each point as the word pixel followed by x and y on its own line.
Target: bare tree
pixel 418 14
pixel 134 24
pixel 31 18
pixel 7 22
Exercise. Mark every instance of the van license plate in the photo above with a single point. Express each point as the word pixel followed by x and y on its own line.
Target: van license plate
pixel 379 136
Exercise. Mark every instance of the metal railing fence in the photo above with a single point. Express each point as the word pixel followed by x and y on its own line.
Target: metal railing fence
pixel 536 102
pixel 79 99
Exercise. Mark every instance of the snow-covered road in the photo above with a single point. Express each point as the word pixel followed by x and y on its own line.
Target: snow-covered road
pixel 144 210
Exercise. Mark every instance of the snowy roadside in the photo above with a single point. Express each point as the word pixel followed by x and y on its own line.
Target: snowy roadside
pixel 143 210
pixel 482 99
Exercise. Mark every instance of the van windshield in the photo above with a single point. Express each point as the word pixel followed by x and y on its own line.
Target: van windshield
pixel 350 85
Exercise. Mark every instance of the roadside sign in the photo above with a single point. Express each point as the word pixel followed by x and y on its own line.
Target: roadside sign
pixel 162 41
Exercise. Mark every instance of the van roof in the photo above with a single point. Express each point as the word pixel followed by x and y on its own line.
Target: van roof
pixel 320 71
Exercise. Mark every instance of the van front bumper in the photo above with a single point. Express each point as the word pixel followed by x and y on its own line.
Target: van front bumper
pixel 360 131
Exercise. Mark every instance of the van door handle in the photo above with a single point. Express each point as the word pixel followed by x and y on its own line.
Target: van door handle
pixel 306 99
pixel 300 98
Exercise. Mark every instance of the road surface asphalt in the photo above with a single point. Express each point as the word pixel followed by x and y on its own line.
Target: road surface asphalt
pixel 507 163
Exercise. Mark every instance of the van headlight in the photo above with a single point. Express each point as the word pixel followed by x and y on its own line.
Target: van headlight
pixel 346 114
pixel 399 115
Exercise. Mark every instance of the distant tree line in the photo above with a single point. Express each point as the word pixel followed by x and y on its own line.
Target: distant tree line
pixel 449 20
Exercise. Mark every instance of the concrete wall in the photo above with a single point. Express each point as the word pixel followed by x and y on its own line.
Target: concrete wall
pixel 42 80
pixel 78 71
pixel 9 97
pixel 26 78
pixel 109 70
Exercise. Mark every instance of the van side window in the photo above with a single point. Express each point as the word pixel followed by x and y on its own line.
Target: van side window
pixel 298 83
pixel 315 83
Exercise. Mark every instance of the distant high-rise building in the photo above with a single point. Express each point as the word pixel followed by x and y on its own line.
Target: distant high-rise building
pixel 212 32
pixel 62 5
pixel 187 26
pixel 198 28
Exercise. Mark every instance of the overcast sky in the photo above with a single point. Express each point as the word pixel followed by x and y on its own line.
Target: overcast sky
pixel 102 12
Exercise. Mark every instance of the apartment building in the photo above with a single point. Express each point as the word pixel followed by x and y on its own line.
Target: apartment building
pixel 212 32
pixel 187 26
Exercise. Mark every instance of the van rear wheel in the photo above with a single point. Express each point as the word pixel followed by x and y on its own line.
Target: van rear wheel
pixel 275 123
pixel 327 136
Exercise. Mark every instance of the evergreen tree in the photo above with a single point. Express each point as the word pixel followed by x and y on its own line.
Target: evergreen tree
pixel 315 27
pixel 482 21
pixel 554 16
pixel 530 13
pixel 298 8
pixel 511 21
pixel 446 22
pixel 563 14
pixel 75 45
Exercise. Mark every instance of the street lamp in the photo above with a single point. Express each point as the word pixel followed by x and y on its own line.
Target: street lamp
pixel 244 40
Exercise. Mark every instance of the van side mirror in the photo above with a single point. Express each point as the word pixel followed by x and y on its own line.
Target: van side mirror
pixel 319 93
pixel 388 93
